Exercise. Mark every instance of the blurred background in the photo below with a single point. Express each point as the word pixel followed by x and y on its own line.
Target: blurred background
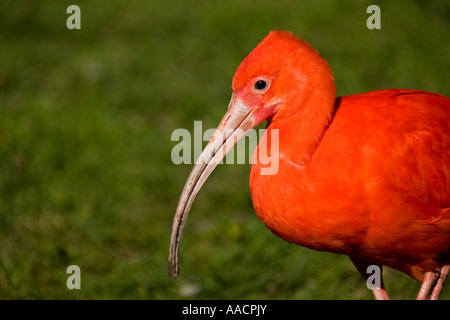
pixel 86 118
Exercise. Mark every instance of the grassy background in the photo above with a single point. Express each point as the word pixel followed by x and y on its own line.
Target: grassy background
pixel 86 118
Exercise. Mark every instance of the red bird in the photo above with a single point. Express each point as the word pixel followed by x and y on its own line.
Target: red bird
pixel 365 175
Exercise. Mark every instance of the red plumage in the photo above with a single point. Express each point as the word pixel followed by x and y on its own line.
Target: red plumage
pixel 376 188
pixel 366 175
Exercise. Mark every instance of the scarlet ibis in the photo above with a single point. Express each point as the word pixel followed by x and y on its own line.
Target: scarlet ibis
pixel 365 175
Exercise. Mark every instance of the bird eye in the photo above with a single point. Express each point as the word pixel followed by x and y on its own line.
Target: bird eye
pixel 260 85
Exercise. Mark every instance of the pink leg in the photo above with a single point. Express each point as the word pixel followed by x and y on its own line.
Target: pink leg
pixel 379 293
pixel 440 283
pixel 427 284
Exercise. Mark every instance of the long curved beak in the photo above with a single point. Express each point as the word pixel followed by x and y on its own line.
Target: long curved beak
pixel 234 125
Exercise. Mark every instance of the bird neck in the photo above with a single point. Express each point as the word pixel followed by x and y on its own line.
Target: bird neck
pixel 302 122
pixel 275 185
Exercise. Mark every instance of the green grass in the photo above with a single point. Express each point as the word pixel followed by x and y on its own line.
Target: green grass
pixel 86 118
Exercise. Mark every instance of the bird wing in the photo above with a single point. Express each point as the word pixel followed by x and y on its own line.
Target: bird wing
pixel 397 137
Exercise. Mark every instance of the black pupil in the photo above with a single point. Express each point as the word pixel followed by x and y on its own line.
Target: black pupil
pixel 260 85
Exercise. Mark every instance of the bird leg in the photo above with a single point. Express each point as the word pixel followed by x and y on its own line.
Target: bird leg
pixel 363 267
pixel 440 283
pixel 429 280
pixel 380 293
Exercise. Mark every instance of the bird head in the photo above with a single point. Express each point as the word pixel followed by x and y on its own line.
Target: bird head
pixel 281 69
